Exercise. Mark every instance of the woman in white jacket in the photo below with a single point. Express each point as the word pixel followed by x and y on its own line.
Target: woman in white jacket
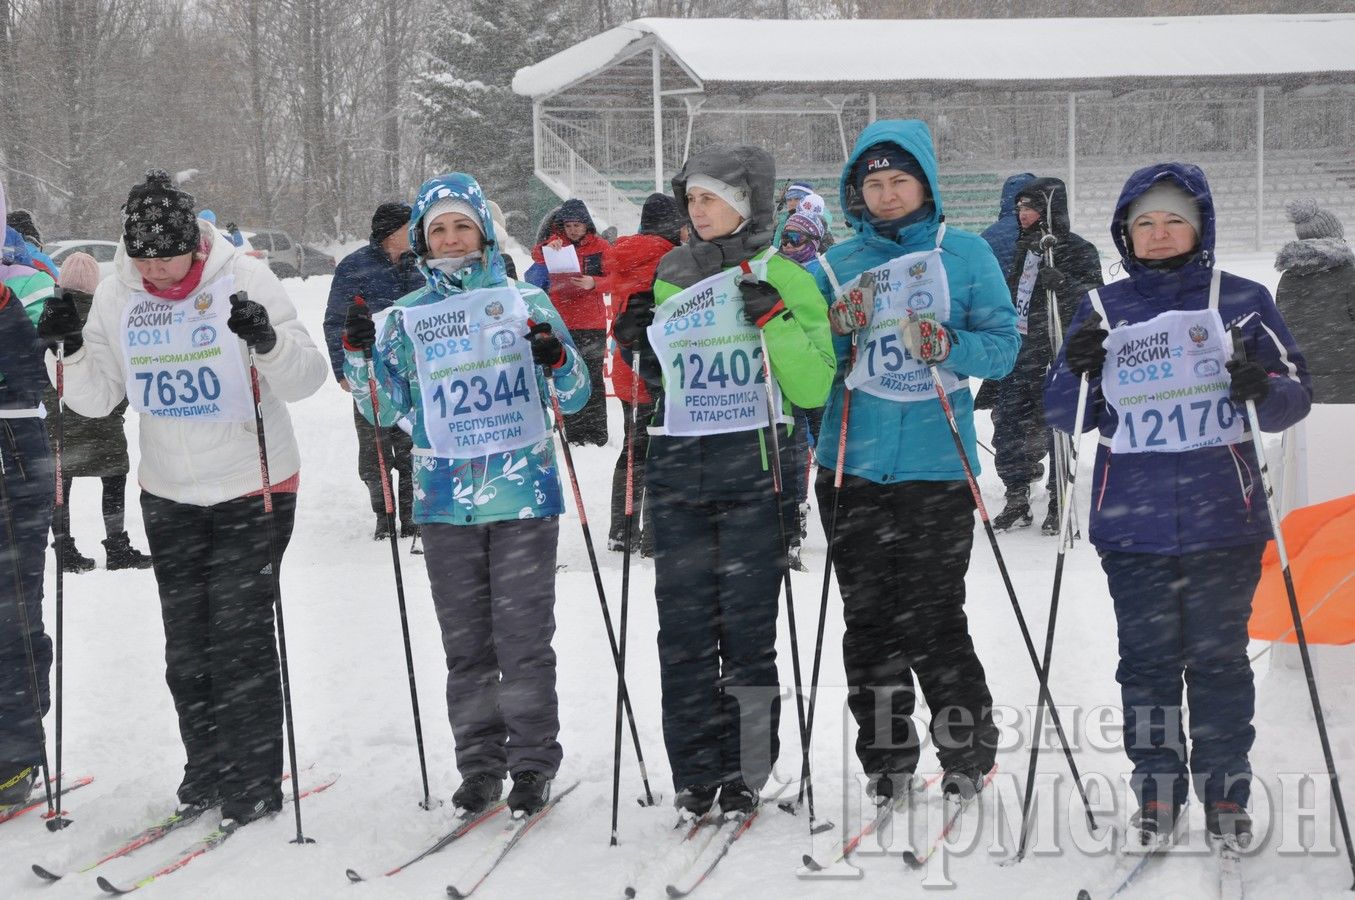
pixel 169 332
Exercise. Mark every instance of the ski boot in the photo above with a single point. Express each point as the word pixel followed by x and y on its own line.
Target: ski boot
pixel 531 791
pixel 477 792
pixel 16 783
pixel 1051 523
pixel 963 783
pixel 1153 827
pixel 1228 824
pixel 695 800
pixel 738 799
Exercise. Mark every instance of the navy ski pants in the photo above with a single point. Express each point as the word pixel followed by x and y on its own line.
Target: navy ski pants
pixel 718 570
pixel 1185 618
pixel 1020 439
pixel 29 492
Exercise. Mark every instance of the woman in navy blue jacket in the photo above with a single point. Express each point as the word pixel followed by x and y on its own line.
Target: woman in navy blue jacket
pixel 1178 513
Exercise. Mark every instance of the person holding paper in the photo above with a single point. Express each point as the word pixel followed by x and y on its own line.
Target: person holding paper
pixel 718 304
pixel 575 266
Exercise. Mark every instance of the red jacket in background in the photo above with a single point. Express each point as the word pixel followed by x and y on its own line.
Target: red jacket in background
pixel 581 309
pixel 630 265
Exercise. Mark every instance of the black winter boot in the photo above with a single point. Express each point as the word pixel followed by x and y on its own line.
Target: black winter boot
pixel 1229 824
pixel 122 555
pixel 964 782
pixel 1051 523
pixel 71 560
pixel 738 799
pixel 1016 514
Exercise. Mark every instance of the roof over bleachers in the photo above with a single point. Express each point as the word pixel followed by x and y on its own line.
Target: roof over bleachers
pixel 865 51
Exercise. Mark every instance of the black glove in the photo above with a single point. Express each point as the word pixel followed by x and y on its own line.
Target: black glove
pixel 359 331
pixel 61 322
pixel 761 302
pixel 1250 381
pixel 547 349
pixel 1054 280
pixel 249 321
pixel 1085 349
pixel 635 317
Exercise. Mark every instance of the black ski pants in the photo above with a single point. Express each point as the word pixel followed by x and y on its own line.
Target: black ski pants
pixel 397 446
pixel 29 490
pixel 214 568
pixel 718 569
pixel 1020 438
pixel 589 425
pixel 642 534
pixel 900 553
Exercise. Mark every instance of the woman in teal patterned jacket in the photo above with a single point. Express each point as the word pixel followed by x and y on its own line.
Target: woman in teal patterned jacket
pixel 471 362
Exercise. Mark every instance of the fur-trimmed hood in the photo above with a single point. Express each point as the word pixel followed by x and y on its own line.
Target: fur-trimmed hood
pixel 1310 255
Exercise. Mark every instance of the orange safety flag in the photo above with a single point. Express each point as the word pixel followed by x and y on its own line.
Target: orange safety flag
pixel 1321 544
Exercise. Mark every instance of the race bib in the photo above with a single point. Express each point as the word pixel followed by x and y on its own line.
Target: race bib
pixel 182 361
pixel 711 357
pixel 1165 379
pixel 916 283
pixel 477 380
pixel 1030 270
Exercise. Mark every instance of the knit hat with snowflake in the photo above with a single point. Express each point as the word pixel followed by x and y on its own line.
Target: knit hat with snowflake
pixel 158 219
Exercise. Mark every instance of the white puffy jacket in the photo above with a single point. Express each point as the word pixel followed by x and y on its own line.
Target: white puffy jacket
pixel 201 463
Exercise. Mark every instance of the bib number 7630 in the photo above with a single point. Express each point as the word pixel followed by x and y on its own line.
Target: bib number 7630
pixel 179 386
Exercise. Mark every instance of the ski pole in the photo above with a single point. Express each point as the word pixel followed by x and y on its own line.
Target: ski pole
pixel 1065 532
pixel 625 584
pixel 1255 425
pixel 56 821
pixel 275 562
pixel 395 562
pixel 838 469
pixel 806 779
pixel 25 625
pixel 1011 591
pixel 597 581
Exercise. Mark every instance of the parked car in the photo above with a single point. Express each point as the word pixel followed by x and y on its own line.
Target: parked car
pixel 315 261
pixel 102 251
pixel 283 254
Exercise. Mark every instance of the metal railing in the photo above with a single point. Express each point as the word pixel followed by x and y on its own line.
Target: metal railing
pixel 570 175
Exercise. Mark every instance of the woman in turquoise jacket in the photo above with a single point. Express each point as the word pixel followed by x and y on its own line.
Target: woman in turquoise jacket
pixel 905 517
pixel 471 362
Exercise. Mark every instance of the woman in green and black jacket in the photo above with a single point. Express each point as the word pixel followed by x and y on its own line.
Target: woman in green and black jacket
pixel 718 304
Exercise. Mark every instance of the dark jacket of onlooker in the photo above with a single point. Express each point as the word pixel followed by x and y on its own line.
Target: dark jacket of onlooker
pixel 367 273
pixel 1316 297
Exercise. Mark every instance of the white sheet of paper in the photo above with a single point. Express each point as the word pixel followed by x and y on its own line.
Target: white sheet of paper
pixel 562 260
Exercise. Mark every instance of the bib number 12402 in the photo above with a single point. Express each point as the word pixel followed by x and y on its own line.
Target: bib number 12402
pixel 740 369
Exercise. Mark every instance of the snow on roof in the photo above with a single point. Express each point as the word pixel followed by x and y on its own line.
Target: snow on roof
pixel 900 50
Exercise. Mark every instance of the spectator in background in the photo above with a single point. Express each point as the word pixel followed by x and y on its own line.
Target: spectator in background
pixel 93 447
pixel 536 273
pixel 380 273
pixel 631 264
pixel 1316 297
pixel 1001 236
pixel 802 241
pixel 1020 438
pixel 21 220
pixel 578 299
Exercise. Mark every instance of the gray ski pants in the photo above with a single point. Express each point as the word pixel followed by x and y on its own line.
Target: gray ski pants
pixel 494 591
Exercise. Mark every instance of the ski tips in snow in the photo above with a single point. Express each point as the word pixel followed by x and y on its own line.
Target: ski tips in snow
pixel 353 876
pixel 45 874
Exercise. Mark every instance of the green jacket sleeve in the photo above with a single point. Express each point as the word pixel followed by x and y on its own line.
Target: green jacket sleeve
pixel 799 340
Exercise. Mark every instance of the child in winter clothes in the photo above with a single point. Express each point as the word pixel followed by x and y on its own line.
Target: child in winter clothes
pixel 487 494
pixel 578 297
pixel 26 479
pixel 182 290
pixel 93 448
pixel 1177 514
pixel 718 301
pixel 905 514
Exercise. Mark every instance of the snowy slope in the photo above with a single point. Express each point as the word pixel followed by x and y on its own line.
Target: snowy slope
pixel 353 717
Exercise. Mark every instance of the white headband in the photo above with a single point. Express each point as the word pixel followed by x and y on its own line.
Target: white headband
pixel 735 197
pixel 450 205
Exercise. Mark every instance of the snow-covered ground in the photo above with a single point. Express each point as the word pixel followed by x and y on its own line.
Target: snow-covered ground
pixel 352 710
